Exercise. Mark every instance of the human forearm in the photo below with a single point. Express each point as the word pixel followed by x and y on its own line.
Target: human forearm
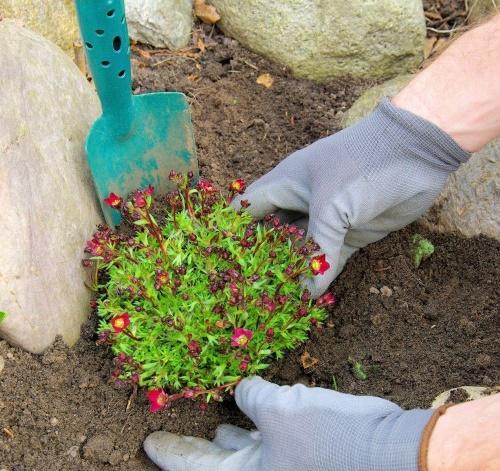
pixel 460 91
pixel 467 437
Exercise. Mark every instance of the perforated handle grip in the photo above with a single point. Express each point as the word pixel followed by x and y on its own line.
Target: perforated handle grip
pixel 105 36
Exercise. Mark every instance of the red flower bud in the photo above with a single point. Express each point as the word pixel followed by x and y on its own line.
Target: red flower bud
pixel 139 200
pixel 326 300
pixel 194 348
pixel 206 186
pixel 94 248
pixel 243 365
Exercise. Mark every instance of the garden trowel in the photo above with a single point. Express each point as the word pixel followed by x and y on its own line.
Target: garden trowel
pixel 138 139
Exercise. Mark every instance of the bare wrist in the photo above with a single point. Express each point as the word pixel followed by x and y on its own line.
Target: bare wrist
pixel 460 91
pixel 466 437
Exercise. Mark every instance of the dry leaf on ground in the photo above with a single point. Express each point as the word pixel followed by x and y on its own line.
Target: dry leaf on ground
pixel 265 80
pixel 206 13
pixel 308 361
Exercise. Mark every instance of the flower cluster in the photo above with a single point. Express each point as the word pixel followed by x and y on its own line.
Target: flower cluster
pixel 198 295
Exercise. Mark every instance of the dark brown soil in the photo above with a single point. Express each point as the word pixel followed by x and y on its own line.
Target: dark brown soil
pixel 438 329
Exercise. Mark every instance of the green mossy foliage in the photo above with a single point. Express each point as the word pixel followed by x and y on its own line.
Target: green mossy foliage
pixel 180 331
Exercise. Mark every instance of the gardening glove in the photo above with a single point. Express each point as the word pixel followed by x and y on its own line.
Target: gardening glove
pixel 359 184
pixel 303 429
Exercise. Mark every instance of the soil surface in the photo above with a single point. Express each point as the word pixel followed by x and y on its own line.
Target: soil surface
pixel 416 332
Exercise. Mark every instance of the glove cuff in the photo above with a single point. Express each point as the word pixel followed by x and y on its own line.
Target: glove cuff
pixel 431 142
pixel 426 436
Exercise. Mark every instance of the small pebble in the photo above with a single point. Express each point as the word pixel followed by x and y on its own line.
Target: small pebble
pixel 2 363
pixel 114 458
pixel 10 356
pixel 54 421
pixel 126 457
pixel 73 451
pixel 82 438
pixel 386 291
pixel 374 290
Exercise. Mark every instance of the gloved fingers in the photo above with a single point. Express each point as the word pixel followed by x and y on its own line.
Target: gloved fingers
pixel 328 229
pixel 268 194
pixel 254 393
pixel 235 438
pixel 173 452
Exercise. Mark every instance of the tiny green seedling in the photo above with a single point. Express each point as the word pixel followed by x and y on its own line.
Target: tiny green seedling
pixel 421 249
pixel 335 385
pixel 3 315
pixel 357 370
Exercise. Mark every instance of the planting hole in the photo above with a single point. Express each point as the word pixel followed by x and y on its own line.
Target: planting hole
pixel 110 13
pixel 99 32
pixel 123 19
pixel 121 73
pixel 105 63
pixel 89 45
pixel 117 43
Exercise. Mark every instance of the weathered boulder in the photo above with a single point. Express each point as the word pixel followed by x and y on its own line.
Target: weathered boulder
pixel 48 203
pixel 325 39
pixel 480 8
pixel 468 203
pixel 54 20
pixel 161 23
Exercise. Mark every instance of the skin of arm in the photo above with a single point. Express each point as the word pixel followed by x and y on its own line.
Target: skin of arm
pixel 460 93
pixel 460 90
pixel 467 437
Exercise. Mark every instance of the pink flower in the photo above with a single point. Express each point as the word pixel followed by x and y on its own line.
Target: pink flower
pixel 325 300
pixel 238 186
pixel 241 337
pixel 158 399
pixel 149 190
pixel 121 322
pixel 114 200
pixel 319 264
pixel 243 365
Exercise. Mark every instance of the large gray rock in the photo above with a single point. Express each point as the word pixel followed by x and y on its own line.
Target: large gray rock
pixel 468 203
pixel 55 20
pixel 48 204
pixel 161 23
pixel 334 38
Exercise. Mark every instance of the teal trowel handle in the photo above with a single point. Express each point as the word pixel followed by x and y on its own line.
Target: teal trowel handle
pixel 105 36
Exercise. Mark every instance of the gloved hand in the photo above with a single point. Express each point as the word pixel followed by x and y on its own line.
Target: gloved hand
pixel 358 185
pixel 302 429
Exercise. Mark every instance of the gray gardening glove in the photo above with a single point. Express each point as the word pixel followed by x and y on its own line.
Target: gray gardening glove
pixel 358 185
pixel 303 429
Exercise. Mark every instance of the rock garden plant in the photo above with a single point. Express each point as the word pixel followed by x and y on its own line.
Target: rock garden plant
pixel 199 295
